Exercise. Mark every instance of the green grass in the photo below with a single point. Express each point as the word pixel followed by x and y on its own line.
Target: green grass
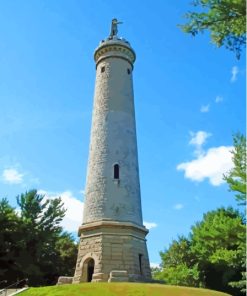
pixel 119 289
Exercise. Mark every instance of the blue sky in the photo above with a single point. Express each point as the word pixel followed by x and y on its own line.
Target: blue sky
pixel 189 98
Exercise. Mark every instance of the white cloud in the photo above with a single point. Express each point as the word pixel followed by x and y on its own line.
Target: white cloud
pixel 210 165
pixel 234 72
pixel 199 138
pixel 154 265
pixel 12 176
pixel 178 206
pixel 218 99
pixel 205 108
pixel 73 215
pixel 149 225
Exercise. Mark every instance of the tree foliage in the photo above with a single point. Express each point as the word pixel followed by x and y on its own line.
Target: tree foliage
pixel 67 254
pixel 236 178
pixel 178 253
pixel 212 256
pixel 225 19
pixel 181 275
pixel 32 242
pixel 10 237
pixel 179 265
pixel 218 242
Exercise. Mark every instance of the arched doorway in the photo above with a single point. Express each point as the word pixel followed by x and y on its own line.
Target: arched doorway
pixel 90 270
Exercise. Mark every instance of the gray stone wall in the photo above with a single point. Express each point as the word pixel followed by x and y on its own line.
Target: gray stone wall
pixel 116 248
pixel 113 141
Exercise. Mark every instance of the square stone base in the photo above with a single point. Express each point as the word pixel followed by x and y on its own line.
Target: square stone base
pixel 108 249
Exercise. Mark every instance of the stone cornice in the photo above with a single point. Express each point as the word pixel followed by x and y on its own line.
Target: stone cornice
pixel 113 225
pixel 114 49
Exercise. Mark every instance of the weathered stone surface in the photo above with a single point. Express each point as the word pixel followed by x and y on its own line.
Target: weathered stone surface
pixel 123 255
pixel 112 236
pixel 113 141
pixel 62 280
pixel 119 273
pixel 118 276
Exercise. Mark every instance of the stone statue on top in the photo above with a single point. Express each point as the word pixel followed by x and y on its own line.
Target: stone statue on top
pixel 114 29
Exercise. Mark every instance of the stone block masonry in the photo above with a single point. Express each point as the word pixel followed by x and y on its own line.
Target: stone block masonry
pixel 112 236
pixel 118 247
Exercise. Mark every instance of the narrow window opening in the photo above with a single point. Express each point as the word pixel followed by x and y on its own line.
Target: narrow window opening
pixel 140 263
pixel 102 69
pixel 128 71
pixel 116 171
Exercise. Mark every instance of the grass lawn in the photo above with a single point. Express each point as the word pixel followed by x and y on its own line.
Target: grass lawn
pixel 119 289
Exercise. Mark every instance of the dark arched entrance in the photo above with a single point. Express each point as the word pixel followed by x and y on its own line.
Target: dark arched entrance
pixel 90 270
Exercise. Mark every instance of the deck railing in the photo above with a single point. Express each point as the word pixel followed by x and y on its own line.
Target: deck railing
pixel 4 291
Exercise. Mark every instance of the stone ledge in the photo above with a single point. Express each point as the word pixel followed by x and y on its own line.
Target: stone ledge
pixel 118 276
pixel 112 224
pixel 100 277
pixel 63 280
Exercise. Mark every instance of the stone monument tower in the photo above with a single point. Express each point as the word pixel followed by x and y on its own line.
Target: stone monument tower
pixel 112 236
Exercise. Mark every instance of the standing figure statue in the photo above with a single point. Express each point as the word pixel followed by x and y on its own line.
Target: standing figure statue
pixel 114 29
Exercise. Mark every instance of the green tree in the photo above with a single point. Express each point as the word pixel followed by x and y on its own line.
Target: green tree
pixel 41 227
pixel 212 256
pixel 236 178
pixel 66 249
pixel 179 265
pixel 44 215
pixel 218 242
pixel 10 237
pixel 32 242
pixel 225 19
pixel 178 253
pixel 155 272
pixel 180 275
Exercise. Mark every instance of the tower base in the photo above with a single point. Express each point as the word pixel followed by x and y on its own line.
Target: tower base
pixel 112 251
